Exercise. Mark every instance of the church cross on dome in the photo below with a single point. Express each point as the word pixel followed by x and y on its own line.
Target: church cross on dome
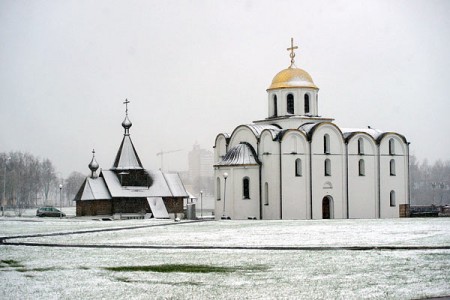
pixel 126 106
pixel 292 54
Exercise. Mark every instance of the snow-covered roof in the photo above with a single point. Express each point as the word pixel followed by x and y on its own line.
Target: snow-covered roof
pixel 306 128
pixel 127 158
pixel 375 133
pixel 175 185
pixel 242 154
pixel 257 129
pixel 93 189
pixel 163 185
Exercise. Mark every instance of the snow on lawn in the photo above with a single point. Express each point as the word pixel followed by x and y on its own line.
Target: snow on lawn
pixel 74 273
pixel 390 232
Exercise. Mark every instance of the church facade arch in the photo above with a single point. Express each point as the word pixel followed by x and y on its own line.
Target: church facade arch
pixel 336 159
pixel 399 183
pixel 362 190
pixel 220 147
pixel 295 189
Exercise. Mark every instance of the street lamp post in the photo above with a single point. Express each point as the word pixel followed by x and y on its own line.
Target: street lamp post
pixel 60 200
pixel 225 176
pixel 201 204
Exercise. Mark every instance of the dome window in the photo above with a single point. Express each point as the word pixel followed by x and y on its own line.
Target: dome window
pixel 306 103
pixel 275 106
pixel 290 104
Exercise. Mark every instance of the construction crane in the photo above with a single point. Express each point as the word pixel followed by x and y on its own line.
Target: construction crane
pixel 161 153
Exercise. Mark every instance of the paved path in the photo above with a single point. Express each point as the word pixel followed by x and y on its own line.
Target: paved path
pixel 5 241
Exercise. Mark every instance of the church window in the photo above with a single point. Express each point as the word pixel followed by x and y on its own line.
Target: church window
pixel 391 147
pixel 218 189
pixel 392 167
pixel 298 167
pixel 361 168
pixel 306 103
pixel 275 106
pixel 246 188
pixel 327 167
pixel 392 198
pixel 266 194
pixel 360 146
pixel 290 104
pixel 326 144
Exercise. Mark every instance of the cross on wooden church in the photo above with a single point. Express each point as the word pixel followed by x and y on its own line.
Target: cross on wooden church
pixel 292 48
pixel 126 105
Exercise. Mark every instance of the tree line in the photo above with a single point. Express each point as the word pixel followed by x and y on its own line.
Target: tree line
pixel 27 181
pixel 430 184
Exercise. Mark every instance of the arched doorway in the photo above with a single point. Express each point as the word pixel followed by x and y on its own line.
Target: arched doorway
pixel 327 208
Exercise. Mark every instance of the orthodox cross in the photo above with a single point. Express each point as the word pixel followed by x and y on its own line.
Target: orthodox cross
pixel 126 105
pixel 93 152
pixel 292 48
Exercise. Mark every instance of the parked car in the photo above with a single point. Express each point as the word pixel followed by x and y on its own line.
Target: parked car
pixel 49 211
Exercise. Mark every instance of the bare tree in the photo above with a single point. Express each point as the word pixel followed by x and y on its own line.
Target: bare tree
pixel 73 184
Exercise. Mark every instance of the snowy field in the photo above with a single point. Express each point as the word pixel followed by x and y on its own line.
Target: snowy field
pixel 284 259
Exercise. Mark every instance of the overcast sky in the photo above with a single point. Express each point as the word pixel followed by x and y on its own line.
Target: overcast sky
pixel 193 69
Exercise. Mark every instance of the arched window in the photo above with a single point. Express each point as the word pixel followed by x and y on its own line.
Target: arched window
pixel 218 189
pixel 392 198
pixel 275 106
pixel 392 167
pixel 290 104
pixel 298 167
pixel 326 144
pixel 391 147
pixel 266 194
pixel 246 188
pixel 327 167
pixel 360 146
pixel 361 168
pixel 306 103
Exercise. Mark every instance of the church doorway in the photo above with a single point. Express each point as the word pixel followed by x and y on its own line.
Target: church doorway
pixel 327 208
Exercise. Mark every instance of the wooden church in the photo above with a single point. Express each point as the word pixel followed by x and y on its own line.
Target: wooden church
pixel 127 189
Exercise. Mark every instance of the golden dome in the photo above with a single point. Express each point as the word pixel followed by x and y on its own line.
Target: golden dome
pixel 292 78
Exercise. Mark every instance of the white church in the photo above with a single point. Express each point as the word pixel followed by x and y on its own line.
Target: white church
pixel 296 164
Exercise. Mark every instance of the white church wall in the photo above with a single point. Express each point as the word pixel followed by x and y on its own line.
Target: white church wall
pixel 295 179
pixel 270 176
pixel 232 199
pixel 332 185
pixel 219 187
pixel 242 207
pixel 362 188
pixel 398 182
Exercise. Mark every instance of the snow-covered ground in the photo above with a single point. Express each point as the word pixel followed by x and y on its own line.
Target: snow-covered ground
pixel 74 273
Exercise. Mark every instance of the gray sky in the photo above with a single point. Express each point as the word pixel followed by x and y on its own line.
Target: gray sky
pixel 193 69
